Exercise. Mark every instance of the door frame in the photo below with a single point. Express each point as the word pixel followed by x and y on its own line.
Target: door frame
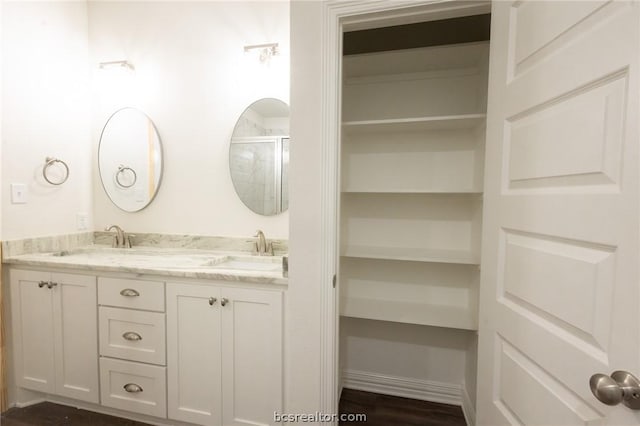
pixel 337 17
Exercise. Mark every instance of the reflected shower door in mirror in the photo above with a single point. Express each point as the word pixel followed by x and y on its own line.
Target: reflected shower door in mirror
pixel 259 157
pixel 130 159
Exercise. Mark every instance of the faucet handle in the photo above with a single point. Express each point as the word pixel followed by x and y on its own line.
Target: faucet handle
pixel 127 240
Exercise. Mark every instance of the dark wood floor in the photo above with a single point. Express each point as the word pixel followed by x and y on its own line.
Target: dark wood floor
pixel 381 410
pixel 385 410
pixel 50 414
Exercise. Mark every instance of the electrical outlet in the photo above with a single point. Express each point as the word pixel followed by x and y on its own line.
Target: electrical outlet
pixel 82 221
pixel 18 193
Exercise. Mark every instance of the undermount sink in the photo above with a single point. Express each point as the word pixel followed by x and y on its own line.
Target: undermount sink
pixel 250 263
pixel 173 260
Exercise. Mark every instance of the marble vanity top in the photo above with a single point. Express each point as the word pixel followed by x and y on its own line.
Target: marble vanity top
pixel 173 262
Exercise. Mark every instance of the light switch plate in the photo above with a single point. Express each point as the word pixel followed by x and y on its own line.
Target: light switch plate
pixel 18 193
pixel 82 221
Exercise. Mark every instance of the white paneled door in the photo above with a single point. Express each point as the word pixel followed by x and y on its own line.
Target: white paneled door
pixel 559 293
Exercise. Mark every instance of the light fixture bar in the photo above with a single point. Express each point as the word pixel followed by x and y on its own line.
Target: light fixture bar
pixel 273 46
pixel 114 64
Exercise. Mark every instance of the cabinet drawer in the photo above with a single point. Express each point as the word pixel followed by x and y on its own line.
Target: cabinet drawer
pixel 136 294
pixel 132 335
pixel 146 386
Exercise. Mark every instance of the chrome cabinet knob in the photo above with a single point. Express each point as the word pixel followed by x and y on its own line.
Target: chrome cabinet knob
pixel 132 388
pixel 621 386
pixel 51 284
pixel 212 300
pixel 131 336
pixel 42 284
pixel 224 301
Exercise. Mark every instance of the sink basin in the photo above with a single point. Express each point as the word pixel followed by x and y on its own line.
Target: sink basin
pixel 163 259
pixel 136 257
pixel 250 263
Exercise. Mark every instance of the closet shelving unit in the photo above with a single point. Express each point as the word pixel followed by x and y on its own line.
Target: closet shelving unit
pixel 412 171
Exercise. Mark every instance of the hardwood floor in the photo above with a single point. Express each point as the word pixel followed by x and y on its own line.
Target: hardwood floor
pixel 385 410
pixel 381 410
pixel 50 414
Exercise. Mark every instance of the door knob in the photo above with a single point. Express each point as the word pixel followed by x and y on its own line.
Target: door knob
pixel 621 386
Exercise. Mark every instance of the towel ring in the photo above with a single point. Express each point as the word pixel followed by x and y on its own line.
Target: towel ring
pixel 50 161
pixel 121 170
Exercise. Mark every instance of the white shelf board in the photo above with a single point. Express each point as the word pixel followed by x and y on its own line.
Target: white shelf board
pixel 462 121
pixel 423 59
pixel 465 257
pixel 352 190
pixel 410 312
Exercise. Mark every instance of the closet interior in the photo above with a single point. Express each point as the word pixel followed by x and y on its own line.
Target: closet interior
pixel 412 153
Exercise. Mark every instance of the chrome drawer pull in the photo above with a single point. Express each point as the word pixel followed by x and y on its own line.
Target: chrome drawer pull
pixel 132 388
pixel 129 292
pixel 130 335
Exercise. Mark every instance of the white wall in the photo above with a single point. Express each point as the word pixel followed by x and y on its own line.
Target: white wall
pixel 44 113
pixel 193 80
pixel 302 362
pixel 404 350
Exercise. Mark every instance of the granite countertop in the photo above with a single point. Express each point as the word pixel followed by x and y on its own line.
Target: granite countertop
pixel 164 261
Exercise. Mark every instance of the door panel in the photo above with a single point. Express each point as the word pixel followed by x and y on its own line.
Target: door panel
pixel 251 356
pixel 193 353
pixel 76 335
pixel 32 310
pixel 559 290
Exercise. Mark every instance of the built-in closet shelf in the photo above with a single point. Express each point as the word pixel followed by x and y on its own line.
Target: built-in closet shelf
pixel 413 191
pixel 463 257
pixel 410 312
pixel 415 124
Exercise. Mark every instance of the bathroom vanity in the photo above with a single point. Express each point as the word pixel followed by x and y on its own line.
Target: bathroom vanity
pixel 177 335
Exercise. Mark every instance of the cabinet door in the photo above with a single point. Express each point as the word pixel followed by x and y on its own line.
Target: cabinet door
pixel 193 353
pixel 251 356
pixel 75 319
pixel 32 310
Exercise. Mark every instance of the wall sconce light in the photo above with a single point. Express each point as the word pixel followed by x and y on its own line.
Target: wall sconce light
pixel 121 65
pixel 266 50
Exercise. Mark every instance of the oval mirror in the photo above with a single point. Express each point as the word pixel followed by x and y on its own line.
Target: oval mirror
pixel 259 157
pixel 130 159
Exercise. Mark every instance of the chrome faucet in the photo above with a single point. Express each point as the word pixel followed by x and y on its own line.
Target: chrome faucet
pixel 262 246
pixel 120 239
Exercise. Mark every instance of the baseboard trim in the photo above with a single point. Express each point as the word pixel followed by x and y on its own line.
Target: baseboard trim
pixel 425 390
pixel 28 403
pixel 468 408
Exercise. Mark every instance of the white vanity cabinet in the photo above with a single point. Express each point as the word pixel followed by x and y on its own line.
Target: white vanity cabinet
pixel 224 354
pixel 55 333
